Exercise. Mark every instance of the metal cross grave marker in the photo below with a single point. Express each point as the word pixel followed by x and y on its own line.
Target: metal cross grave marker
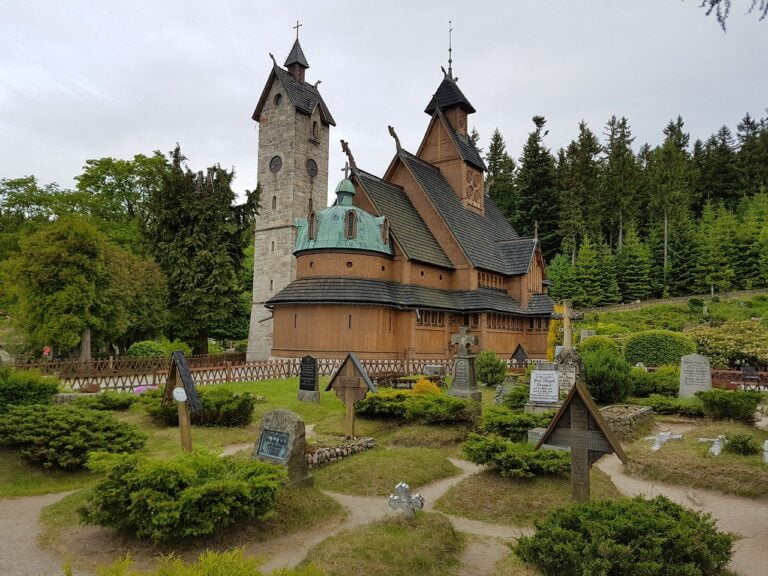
pixel 580 426
pixel 351 383
pixel 402 499
pixel 662 438
pixel 717 444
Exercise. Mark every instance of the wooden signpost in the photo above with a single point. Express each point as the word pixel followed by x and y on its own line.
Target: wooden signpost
pixel 180 388
pixel 580 426
pixel 351 383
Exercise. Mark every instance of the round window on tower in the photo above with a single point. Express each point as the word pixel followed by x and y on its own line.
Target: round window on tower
pixel 311 168
pixel 275 164
pixel 278 98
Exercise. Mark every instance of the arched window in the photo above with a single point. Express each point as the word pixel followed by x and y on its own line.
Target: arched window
pixel 278 99
pixel 312 226
pixel 385 232
pixel 310 206
pixel 274 202
pixel 350 224
pixel 315 130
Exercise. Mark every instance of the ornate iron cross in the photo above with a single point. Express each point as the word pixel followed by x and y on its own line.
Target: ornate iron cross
pixel 464 340
pixel 402 499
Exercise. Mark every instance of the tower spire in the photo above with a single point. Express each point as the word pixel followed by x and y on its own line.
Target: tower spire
pixel 450 50
pixel 297 29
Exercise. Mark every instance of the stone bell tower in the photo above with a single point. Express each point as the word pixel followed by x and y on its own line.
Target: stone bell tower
pixel 294 126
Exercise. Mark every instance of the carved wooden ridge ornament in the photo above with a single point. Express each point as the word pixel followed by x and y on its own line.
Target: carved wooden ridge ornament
pixel 351 383
pixel 580 426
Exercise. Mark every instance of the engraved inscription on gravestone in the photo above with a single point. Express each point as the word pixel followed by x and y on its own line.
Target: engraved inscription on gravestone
pixel 274 444
pixel 544 386
pixel 308 380
pixel 695 375
pixel 282 440
pixel 567 376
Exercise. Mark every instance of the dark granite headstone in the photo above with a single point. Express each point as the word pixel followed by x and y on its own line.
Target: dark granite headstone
pixel 282 440
pixel 309 377
pixel 464 383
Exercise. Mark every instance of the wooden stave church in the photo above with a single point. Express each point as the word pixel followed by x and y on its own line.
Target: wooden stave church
pixel 446 257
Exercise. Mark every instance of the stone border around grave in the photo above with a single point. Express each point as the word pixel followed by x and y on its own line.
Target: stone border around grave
pixel 324 456
pixel 626 419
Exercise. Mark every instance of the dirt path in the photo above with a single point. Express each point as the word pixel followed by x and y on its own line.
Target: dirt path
pixel 744 516
pixel 20 554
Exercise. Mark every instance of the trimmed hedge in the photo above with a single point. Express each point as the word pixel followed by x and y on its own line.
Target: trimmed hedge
pixel 627 538
pixel 690 407
pixel 738 405
pixel 489 369
pixel 665 381
pixel 153 348
pixel 63 436
pixel 512 425
pixel 657 347
pixel 607 376
pixel 25 387
pixel 107 401
pixel 512 459
pixel 221 407
pixel 595 343
pixel 408 406
pixel 191 495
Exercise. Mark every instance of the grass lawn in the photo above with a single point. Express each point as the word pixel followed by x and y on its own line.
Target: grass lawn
pixel 686 462
pixel 392 547
pixel 19 478
pixel 516 502
pixel 376 472
pixel 511 565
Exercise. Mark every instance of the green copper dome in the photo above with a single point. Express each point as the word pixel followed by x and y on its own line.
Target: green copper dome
pixel 343 227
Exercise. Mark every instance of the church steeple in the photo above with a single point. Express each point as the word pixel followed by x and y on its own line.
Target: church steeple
pixel 296 63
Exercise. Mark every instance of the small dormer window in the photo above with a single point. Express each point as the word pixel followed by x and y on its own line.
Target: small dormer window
pixel 350 224
pixel 312 226
pixel 385 232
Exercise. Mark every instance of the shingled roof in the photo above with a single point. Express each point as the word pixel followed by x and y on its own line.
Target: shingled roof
pixel 362 291
pixel 484 238
pixel 447 95
pixel 296 56
pixel 405 223
pixel 303 96
pixel 467 149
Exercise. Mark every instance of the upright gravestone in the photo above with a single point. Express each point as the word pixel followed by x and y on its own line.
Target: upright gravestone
pixel 569 368
pixel 695 375
pixel 544 391
pixel 464 379
pixel 308 380
pixel 282 440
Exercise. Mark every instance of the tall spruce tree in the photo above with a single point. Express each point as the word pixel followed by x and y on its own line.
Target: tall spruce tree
pixel 198 237
pixel 752 157
pixel 620 180
pixel 633 267
pixel 608 281
pixel 683 254
pixel 587 283
pixel 718 174
pixel 536 201
pixel 713 271
pixel 753 219
pixel 500 178
pixel 560 272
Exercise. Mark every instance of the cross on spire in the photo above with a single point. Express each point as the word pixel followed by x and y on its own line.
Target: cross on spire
pixel 346 169
pixel 450 50
pixel 297 28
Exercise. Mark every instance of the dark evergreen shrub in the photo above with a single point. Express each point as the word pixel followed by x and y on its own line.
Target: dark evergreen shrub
pixel 657 347
pixel 665 381
pixel 607 376
pixel 627 538
pixel 443 409
pixel 189 496
pixel 742 444
pixel 63 436
pixel 512 425
pixel 221 407
pixel 738 405
pixel 384 404
pixel 107 401
pixel 689 407
pixel 490 369
pixel 516 397
pixel 518 460
pixel 25 387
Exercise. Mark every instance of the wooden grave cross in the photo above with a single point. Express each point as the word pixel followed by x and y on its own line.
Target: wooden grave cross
pixel 351 383
pixel 579 426
pixel 567 316
pixel 180 388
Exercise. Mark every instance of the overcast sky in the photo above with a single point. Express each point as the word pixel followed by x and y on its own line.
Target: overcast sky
pixel 87 79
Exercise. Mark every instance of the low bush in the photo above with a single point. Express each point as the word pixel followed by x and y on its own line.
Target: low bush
pixel 25 387
pixel 490 369
pixel 63 436
pixel 627 538
pixel 424 386
pixel 153 348
pixel 516 397
pixel 426 408
pixel 512 459
pixel 229 563
pixel 107 401
pixel 221 407
pixel 607 376
pixel 657 347
pixel 512 425
pixel 733 342
pixel 738 405
pixel 742 444
pixel 689 407
pixel 664 381
pixel 595 343
pixel 191 495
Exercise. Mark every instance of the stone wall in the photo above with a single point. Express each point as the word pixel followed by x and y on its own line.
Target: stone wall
pixel 627 420
pixel 324 456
